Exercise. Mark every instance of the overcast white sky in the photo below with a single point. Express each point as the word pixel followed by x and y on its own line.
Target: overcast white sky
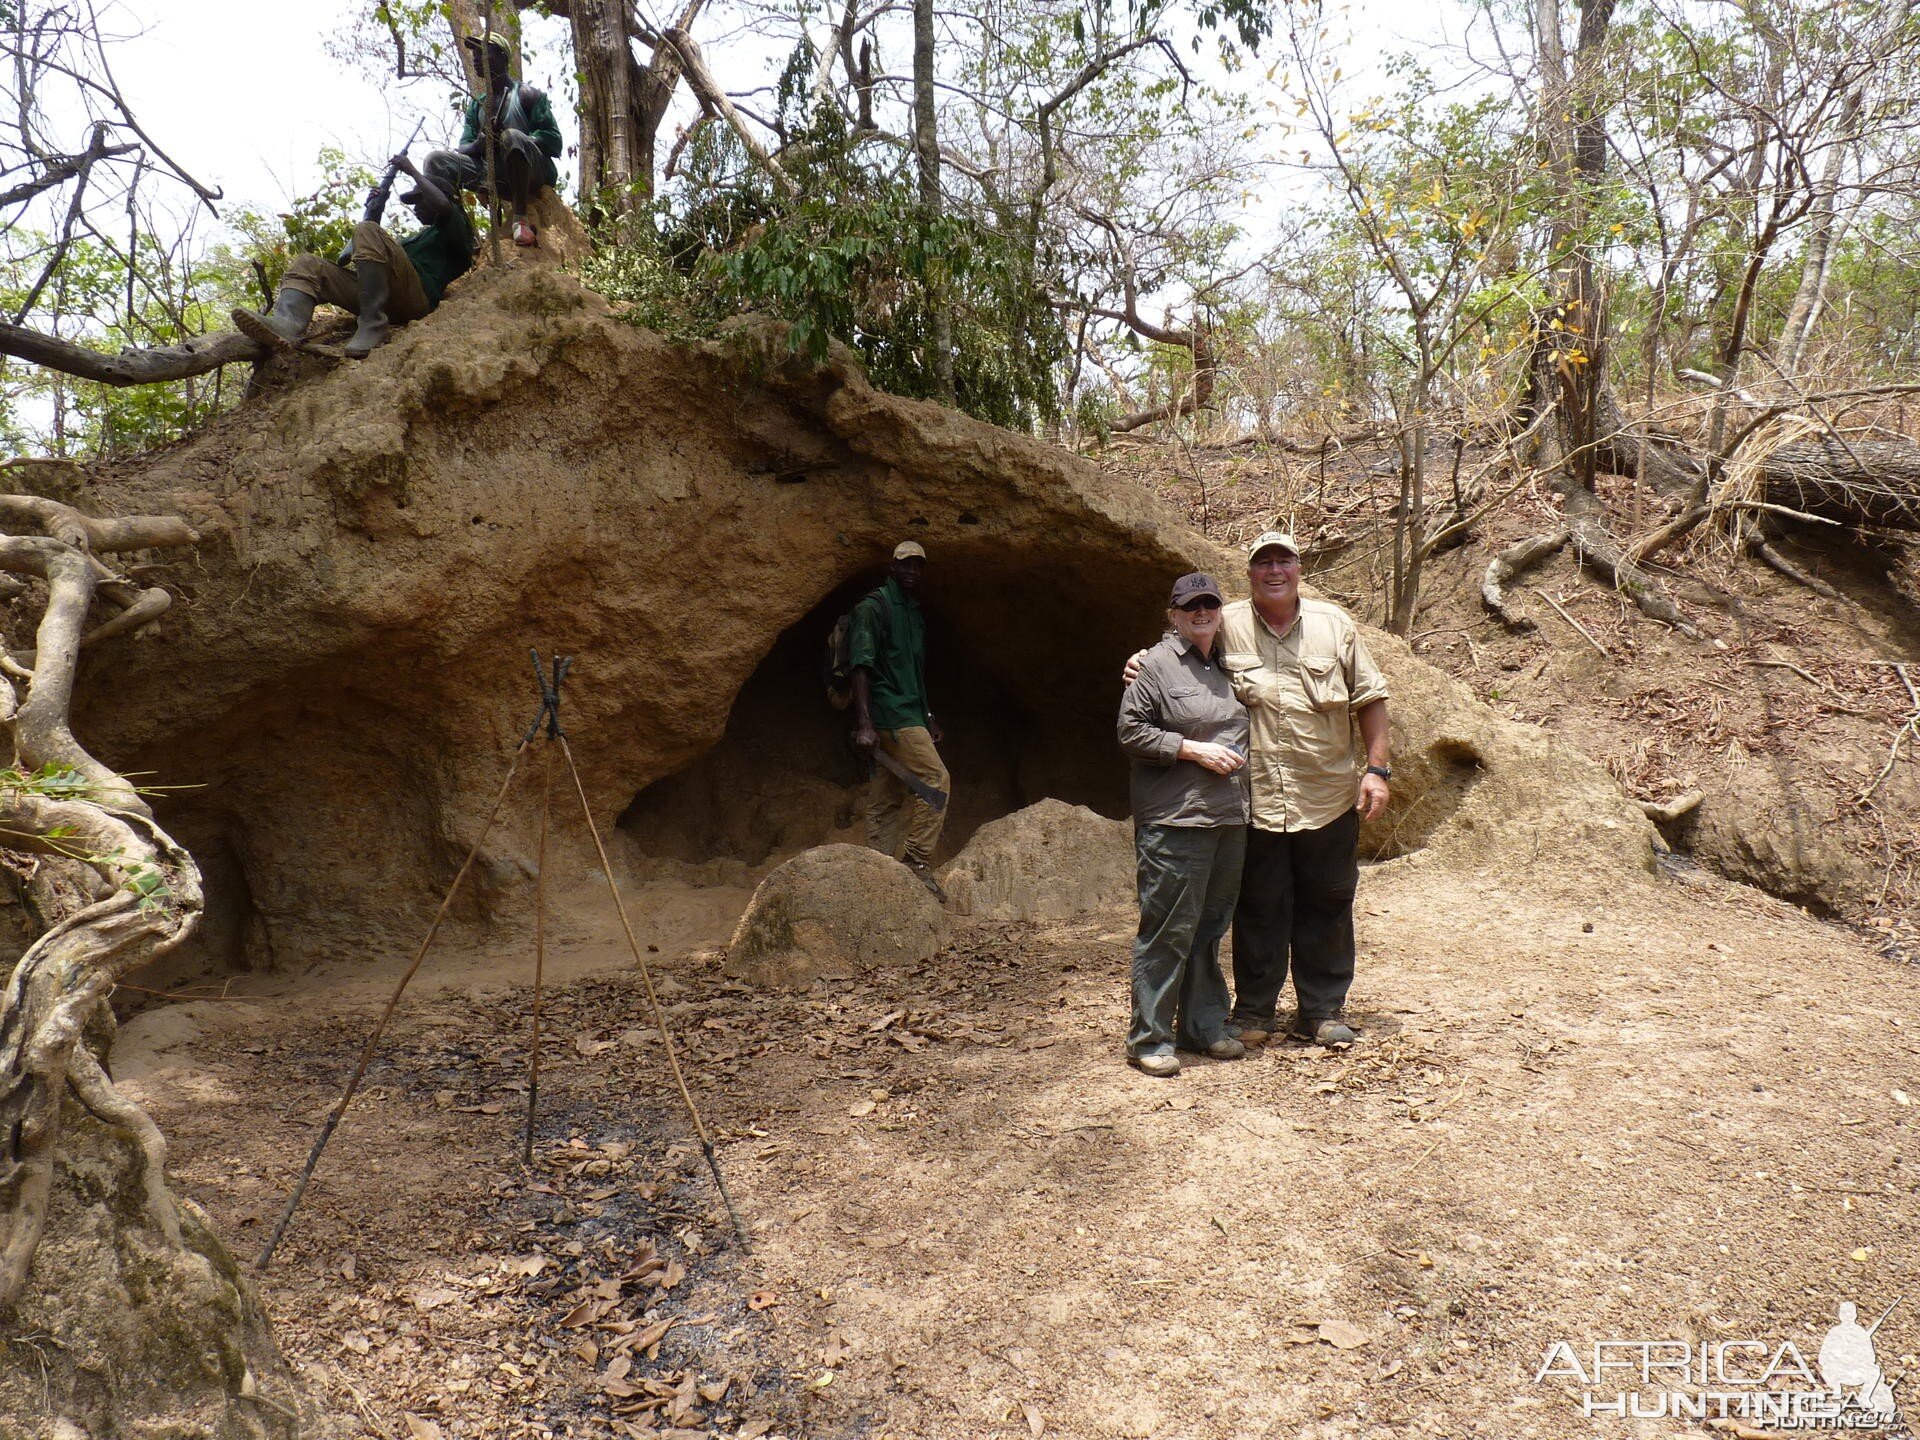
pixel 245 95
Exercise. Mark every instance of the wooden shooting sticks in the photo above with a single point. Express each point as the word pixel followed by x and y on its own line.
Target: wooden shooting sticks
pixel 549 716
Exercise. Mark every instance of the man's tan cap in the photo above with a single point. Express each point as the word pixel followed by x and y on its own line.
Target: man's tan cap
pixel 909 549
pixel 1268 539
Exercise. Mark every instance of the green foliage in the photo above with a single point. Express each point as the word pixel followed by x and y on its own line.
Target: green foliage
pixel 147 881
pixel 168 298
pixel 1249 22
pixel 1875 304
pixel 1094 412
pixel 634 268
pixel 319 223
pixel 850 259
pixel 53 780
pixel 1421 260
pixel 92 300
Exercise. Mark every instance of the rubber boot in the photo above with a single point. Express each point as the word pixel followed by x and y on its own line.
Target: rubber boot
pixel 374 328
pixel 282 327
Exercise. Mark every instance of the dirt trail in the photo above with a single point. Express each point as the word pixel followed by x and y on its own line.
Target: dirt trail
pixel 1693 1119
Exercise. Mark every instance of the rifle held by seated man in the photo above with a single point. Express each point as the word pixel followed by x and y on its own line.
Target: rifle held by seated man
pixel 377 198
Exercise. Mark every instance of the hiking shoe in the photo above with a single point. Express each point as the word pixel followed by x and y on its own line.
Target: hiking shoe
pixel 1324 1032
pixel 1228 1049
pixel 1158 1066
pixel 524 235
pixel 924 874
pixel 1252 1034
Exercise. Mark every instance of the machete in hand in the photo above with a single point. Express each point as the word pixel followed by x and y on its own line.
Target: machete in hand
pixel 936 800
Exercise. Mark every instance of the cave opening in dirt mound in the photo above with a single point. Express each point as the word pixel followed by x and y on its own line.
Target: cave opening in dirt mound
pixel 1023 673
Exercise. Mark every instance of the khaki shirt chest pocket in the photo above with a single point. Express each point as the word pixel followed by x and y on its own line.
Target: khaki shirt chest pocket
pixel 1323 682
pixel 1249 675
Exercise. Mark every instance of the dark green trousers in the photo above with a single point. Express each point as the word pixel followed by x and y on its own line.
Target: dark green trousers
pixel 1189 879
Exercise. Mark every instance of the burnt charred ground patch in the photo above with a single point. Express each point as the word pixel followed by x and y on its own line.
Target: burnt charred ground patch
pixel 598 1292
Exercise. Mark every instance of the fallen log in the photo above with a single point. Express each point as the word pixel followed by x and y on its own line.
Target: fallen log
pixel 1861 482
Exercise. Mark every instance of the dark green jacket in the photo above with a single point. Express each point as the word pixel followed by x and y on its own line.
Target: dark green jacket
pixel 888 639
pixel 527 110
pixel 441 252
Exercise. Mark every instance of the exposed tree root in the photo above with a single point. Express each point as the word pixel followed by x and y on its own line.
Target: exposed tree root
pixel 1592 538
pixel 1793 572
pixel 1665 813
pixel 1509 565
pixel 1657 459
pixel 113 888
pixel 1597 548
pixel 107 1105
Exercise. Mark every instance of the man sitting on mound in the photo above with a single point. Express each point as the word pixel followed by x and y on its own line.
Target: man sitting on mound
pixel 390 280
pixel 526 140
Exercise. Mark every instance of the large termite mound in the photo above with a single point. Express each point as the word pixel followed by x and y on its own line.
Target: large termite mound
pixel 346 674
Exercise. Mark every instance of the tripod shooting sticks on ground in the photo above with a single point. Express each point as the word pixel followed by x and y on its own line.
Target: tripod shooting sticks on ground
pixel 549 716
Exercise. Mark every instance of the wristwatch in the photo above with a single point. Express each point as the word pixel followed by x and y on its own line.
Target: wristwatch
pixel 1385 772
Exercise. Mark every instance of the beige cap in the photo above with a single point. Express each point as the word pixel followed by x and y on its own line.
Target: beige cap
pixel 1268 539
pixel 909 549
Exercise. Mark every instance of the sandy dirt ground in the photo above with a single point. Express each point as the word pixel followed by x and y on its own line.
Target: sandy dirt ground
pixel 1669 1110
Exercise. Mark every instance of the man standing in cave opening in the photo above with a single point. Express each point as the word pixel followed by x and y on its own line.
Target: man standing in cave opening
pixel 887 647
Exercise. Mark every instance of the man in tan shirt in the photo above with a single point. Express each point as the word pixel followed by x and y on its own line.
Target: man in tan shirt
pixel 1304 674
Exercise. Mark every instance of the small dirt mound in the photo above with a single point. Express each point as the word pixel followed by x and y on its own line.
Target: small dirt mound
pixel 837 910
pixel 1050 861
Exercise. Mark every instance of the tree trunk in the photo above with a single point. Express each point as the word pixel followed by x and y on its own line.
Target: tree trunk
pixel 714 100
pixel 603 55
pixel 654 90
pixel 1410 515
pixel 1632 447
pixel 926 144
pixel 1864 482
pixel 1199 394
pixel 146 1324
pixel 1569 358
pixel 468 17
pixel 1809 298
pixel 1570 352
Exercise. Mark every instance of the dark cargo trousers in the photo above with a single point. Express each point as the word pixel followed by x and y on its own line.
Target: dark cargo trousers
pixel 1296 905
pixel 517 161
pixel 1189 875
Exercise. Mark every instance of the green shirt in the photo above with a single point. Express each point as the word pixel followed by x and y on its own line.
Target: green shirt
pixel 441 252
pixel 889 641
pixel 529 111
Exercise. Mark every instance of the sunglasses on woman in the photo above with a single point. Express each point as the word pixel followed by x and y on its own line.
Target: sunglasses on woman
pixel 1205 602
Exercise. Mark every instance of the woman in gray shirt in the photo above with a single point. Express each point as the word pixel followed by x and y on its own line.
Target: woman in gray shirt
pixel 1187 738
